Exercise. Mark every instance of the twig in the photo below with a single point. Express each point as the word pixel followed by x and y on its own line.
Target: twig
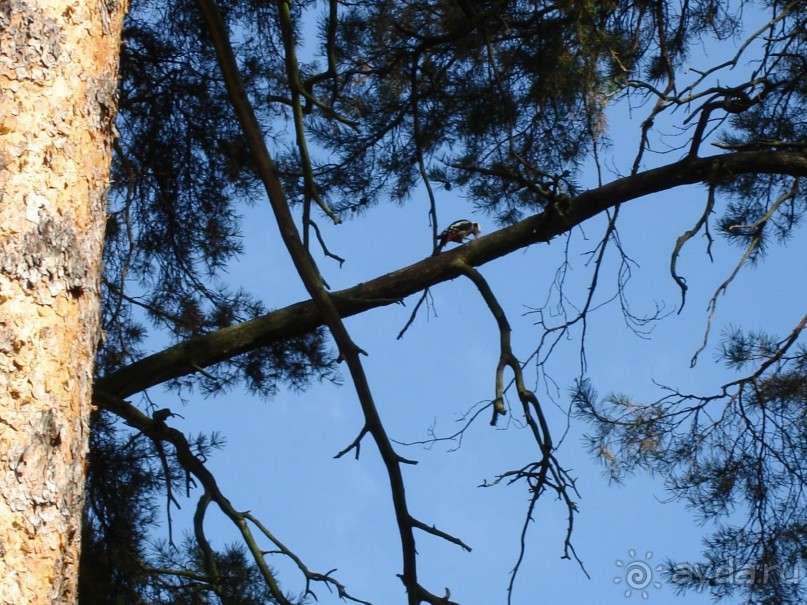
pixel 684 238
pixel 324 247
pixel 426 294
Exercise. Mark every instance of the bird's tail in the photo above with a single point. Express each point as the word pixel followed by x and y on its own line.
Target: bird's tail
pixel 439 247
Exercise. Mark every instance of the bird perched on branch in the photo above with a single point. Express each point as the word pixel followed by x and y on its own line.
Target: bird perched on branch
pixel 457 232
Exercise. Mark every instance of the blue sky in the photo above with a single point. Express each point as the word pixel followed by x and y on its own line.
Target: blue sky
pixel 279 463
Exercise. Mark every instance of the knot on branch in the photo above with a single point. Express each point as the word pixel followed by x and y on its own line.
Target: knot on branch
pixel 499 409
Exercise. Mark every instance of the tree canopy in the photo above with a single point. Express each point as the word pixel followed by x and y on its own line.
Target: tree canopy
pixel 332 110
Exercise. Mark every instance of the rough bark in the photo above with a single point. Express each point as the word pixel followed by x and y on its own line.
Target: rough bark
pixel 58 79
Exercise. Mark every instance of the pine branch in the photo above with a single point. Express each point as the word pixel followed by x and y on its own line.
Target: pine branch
pixel 303 317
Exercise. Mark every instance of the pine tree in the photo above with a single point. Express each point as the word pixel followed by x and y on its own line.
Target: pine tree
pixel 58 73
pixel 508 102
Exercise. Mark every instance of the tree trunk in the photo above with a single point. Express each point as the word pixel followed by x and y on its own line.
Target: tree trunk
pixel 58 79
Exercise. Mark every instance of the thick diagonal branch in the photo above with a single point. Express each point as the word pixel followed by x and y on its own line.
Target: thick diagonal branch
pixel 308 272
pixel 303 317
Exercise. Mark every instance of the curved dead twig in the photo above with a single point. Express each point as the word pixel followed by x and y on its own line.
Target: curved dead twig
pixel 208 556
pixel 506 356
pixel 684 238
pixel 324 247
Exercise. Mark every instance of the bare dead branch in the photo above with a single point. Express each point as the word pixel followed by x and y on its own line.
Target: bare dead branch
pixel 309 575
pixel 160 432
pixel 208 556
pixel 546 473
pixel 506 356
pixel 431 529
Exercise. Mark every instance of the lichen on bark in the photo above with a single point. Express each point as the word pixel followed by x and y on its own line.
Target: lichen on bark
pixel 58 74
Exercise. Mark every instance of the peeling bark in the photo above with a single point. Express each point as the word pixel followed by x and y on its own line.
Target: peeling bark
pixel 58 77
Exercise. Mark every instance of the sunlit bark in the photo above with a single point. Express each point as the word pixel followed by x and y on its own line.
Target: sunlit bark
pixel 58 79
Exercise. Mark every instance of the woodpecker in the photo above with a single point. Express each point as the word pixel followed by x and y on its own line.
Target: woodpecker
pixel 457 232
